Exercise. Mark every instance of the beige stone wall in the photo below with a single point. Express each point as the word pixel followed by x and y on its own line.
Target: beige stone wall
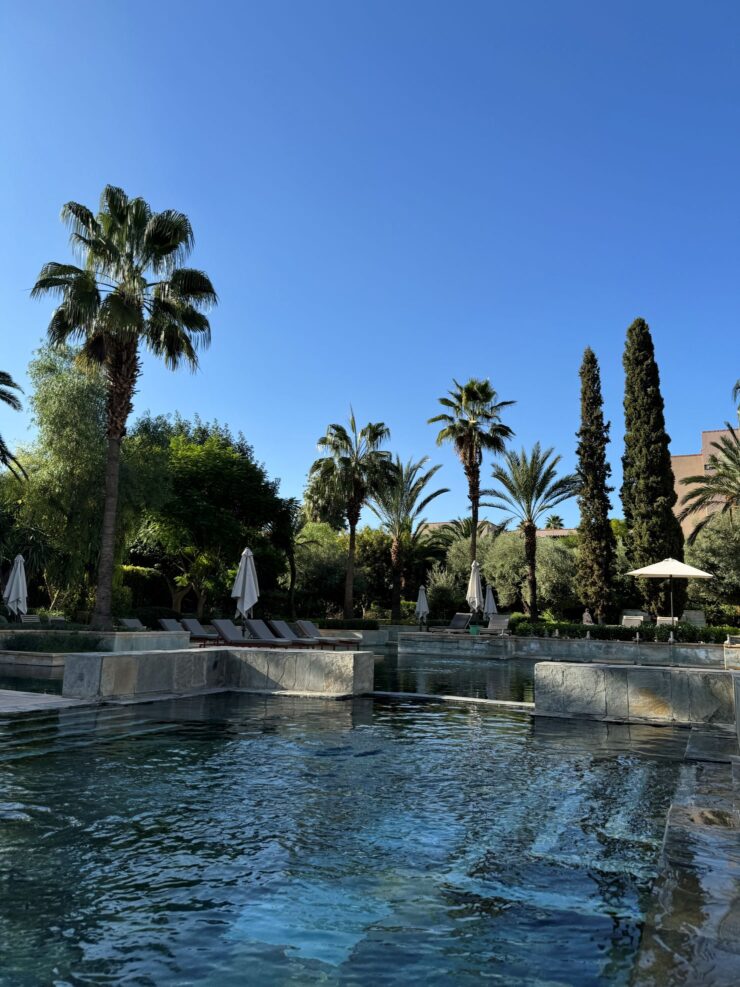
pixel 694 464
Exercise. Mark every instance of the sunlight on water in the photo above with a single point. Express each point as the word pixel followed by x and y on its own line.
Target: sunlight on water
pixel 231 839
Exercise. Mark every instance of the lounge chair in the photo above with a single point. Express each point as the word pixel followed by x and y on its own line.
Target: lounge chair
pixel 170 624
pixel 669 621
pixel 695 617
pixel 308 629
pixel 198 632
pixel 285 632
pixel 131 624
pixel 259 630
pixel 459 624
pixel 31 619
pixel 498 625
pixel 57 622
pixel 232 635
pixel 630 620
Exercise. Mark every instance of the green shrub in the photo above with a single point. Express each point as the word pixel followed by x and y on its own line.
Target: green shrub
pixel 50 641
pixel 353 624
pixel 521 626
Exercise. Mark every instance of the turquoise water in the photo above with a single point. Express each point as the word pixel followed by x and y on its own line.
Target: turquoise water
pixel 230 840
pixel 482 678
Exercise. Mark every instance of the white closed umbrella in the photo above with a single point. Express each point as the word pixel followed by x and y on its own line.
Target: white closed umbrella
pixel 422 606
pixel 16 593
pixel 246 589
pixel 474 596
pixel 670 569
pixel 489 607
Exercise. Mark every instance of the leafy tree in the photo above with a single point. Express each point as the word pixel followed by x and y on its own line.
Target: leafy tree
pixel 473 426
pixel 287 528
pixel 219 499
pixel 321 567
pixel 528 487
pixel 399 505
pixel 461 529
pixel 352 470
pixel 7 396
pixel 717 490
pixel 648 494
pixel 130 292
pixel 596 558
pixel 445 596
pixel 554 522
pixel 716 549
pixel 505 567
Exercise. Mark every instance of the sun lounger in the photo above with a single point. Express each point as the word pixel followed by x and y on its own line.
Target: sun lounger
pixel 131 624
pixel 198 632
pixel 231 634
pixel 57 622
pixel 498 625
pixel 259 630
pixel 695 617
pixel 30 619
pixel 459 624
pixel 669 621
pixel 285 632
pixel 308 629
pixel 632 621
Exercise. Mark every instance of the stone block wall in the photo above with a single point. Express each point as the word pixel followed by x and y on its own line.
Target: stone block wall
pixel 159 673
pixel 633 694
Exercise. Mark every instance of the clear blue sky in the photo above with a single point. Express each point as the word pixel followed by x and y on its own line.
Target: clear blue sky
pixel 387 195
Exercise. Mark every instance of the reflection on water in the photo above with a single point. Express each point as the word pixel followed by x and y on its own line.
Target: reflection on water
pixel 235 839
pixel 27 678
pixel 480 678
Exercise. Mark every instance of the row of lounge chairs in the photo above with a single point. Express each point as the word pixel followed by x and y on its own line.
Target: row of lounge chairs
pixel 498 625
pixel 255 634
pixel 635 618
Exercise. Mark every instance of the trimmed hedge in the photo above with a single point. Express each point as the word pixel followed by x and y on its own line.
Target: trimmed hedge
pixel 51 642
pixel 682 633
pixel 353 624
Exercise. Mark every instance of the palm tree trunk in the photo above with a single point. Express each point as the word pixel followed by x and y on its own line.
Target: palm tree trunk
pixel 102 617
pixel 291 586
pixel 349 582
pixel 474 498
pixel 530 555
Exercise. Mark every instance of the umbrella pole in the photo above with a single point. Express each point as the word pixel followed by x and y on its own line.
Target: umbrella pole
pixel 670 583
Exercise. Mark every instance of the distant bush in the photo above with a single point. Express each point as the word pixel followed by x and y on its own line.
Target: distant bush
pixel 50 641
pixel 352 624
pixel 149 616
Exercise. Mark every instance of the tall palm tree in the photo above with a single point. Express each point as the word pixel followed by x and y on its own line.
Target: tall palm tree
pixel 398 505
pixel 528 487
pixel 7 396
pixel 716 491
pixel 130 292
pixel 473 425
pixel 461 529
pixel 352 470
pixel 553 522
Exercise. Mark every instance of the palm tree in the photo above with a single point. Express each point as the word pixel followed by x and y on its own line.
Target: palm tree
pixel 130 292
pixel 352 470
pixel 286 529
pixel 399 504
pixel 528 487
pixel 717 491
pixel 553 522
pixel 7 387
pixel 473 426
pixel 461 529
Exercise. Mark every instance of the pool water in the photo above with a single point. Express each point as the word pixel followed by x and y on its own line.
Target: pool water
pixel 482 678
pixel 233 839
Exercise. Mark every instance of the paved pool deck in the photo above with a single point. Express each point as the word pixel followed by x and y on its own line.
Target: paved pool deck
pixel 12 701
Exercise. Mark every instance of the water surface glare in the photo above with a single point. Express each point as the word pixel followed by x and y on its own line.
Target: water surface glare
pixel 230 839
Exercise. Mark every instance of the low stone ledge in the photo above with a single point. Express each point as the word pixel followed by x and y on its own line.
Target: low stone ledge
pixel 563 649
pixel 106 676
pixel 632 694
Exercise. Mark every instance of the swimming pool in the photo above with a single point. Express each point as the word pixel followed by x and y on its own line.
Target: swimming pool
pixel 236 839
pixel 482 678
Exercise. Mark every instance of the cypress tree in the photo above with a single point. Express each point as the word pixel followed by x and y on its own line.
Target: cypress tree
pixel 648 494
pixel 596 543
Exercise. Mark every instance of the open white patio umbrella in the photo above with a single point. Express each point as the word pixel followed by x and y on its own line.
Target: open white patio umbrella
pixel 422 606
pixel 474 596
pixel 246 589
pixel 16 593
pixel 670 569
pixel 489 607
